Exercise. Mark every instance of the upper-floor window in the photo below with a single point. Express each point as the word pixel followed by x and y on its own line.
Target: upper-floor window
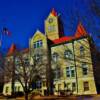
pixel 37 57
pixel 17 61
pixel 82 50
pixel 38 44
pixel 70 71
pixel 68 54
pixel 84 68
pixel 26 61
pixel 55 57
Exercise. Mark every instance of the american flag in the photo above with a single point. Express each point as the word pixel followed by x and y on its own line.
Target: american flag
pixel 6 31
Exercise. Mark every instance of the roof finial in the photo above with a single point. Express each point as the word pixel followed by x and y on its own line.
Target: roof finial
pixel 53 12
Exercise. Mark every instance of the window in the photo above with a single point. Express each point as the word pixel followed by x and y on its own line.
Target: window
pixel 26 61
pixel 51 28
pixel 84 68
pixel 18 88
pixel 70 71
pixel 82 51
pixel 57 73
pixel 73 86
pixel 67 86
pixel 17 61
pixel 7 89
pixel 15 89
pixel 86 86
pixel 37 57
pixel 55 57
pixel 38 44
pixel 38 84
pixel 44 83
pixel 68 54
pixel 59 87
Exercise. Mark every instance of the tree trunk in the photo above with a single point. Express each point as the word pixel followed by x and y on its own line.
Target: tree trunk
pixel 26 96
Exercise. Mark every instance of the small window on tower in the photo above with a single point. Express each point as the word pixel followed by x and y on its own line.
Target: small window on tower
pixel 51 28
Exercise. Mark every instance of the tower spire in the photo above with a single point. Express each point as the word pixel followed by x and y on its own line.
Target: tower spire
pixel 53 12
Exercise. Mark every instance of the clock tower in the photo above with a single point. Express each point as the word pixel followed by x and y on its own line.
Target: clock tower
pixel 53 26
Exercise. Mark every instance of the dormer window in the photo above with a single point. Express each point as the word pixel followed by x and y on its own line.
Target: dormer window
pixel 38 44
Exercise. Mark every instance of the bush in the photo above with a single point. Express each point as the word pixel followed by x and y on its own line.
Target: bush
pixel 36 92
pixel 19 94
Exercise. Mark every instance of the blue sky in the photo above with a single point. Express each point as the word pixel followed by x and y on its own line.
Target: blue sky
pixel 24 17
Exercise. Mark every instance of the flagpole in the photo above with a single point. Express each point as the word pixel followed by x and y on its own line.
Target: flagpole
pixel 1 40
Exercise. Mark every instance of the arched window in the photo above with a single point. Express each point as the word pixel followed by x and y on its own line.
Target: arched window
pixel 68 54
pixel 55 56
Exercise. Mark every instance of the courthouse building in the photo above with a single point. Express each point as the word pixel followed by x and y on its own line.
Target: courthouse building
pixel 69 57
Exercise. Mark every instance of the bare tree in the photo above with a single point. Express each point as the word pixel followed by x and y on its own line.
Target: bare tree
pixel 25 72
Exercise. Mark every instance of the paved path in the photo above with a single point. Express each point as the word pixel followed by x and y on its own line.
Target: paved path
pixel 59 98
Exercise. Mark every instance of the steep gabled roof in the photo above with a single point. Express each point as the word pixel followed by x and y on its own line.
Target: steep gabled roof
pixel 11 50
pixel 80 31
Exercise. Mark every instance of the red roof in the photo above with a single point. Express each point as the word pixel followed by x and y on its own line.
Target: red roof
pixel 53 12
pixel 80 32
pixel 11 50
pixel 26 50
pixel 62 39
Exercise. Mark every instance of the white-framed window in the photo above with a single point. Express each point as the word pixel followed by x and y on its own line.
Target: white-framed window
pixel 68 54
pixel 84 68
pixel 55 56
pixel 70 71
pixel 38 44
